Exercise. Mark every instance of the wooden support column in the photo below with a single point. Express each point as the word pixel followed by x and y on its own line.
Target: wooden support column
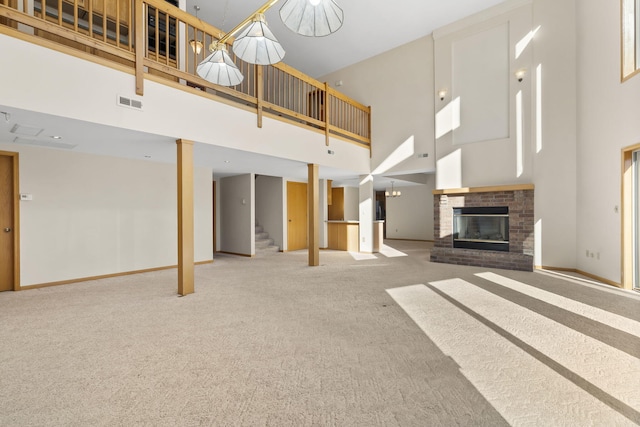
pixel 139 46
pixel 313 195
pixel 185 217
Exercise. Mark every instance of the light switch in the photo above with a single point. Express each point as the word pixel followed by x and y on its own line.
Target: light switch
pixel 24 196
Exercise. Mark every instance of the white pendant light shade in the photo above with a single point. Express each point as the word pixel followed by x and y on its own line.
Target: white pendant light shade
pixel 257 44
pixel 313 18
pixel 218 68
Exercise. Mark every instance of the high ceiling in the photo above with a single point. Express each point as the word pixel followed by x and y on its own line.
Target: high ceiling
pixel 370 27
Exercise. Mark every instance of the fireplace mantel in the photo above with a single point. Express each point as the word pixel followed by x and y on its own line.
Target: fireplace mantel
pixel 518 198
pixel 493 189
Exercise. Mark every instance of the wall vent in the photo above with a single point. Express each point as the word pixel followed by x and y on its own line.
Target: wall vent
pixel 422 155
pixel 123 101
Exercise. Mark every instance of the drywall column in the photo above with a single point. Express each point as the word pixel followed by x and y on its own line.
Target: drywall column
pixel 366 213
pixel 185 217
pixel 314 212
pixel 323 241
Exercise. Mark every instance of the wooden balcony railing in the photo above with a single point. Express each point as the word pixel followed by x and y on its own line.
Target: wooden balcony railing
pixel 112 30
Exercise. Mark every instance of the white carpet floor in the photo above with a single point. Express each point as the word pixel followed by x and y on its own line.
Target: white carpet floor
pixel 383 340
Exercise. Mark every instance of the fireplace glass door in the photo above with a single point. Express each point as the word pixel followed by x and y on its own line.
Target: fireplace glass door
pixel 485 228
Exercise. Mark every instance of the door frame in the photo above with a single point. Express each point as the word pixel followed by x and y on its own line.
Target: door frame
pixel 627 219
pixel 15 161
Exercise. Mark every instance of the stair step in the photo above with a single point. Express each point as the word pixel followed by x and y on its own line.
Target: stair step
pixel 268 250
pixel 263 243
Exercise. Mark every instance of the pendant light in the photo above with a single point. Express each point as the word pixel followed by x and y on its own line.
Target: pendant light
pixel 257 44
pixel 219 68
pixel 312 18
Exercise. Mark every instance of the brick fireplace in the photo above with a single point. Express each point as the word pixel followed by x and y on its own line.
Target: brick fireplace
pixel 517 200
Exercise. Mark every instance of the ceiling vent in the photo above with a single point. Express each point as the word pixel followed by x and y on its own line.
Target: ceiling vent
pixel 48 144
pixel 25 130
pixel 123 101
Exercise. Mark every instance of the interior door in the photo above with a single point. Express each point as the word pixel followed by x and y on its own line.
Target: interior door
pixel 297 215
pixel 7 224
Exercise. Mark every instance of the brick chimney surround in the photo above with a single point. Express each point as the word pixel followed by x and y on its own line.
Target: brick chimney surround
pixel 520 201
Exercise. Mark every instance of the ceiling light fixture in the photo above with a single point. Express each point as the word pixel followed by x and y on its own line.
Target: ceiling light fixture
pixel 257 44
pixel 219 68
pixel 393 192
pixel 312 18
pixel 196 45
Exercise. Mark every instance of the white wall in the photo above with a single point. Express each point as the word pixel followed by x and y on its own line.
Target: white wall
pixel 237 214
pixel 607 122
pixel 97 215
pixel 398 85
pixel 270 207
pixel 555 132
pixel 410 216
pixel 496 156
pixel 351 204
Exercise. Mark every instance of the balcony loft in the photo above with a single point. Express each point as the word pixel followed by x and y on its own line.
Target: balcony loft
pixel 110 32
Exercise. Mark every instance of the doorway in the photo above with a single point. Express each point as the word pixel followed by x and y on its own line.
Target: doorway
pixel 297 216
pixel 635 223
pixel 631 217
pixel 9 241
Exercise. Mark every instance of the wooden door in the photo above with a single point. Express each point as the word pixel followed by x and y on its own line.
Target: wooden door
pixel 8 197
pixel 297 215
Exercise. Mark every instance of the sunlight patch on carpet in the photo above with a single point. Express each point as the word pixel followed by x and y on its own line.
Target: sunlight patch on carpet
pixel 520 387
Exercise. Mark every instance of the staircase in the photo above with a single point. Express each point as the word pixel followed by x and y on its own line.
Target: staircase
pixel 264 244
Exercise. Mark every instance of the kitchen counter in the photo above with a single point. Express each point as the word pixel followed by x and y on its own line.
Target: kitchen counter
pixel 345 235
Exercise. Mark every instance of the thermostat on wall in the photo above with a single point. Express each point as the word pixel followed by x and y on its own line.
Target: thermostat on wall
pixel 24 196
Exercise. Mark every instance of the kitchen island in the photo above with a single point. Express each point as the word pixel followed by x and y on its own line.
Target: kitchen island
pixel 345 235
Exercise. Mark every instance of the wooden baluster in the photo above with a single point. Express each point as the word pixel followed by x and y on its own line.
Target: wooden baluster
pixel 118 23
pixel 157 35
pixel 167 39
pixel 90 9
pixel 75 16
pixel 139 46
pixel 326 112
pixel 104 20
pixel 130 25
pixel 259 92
